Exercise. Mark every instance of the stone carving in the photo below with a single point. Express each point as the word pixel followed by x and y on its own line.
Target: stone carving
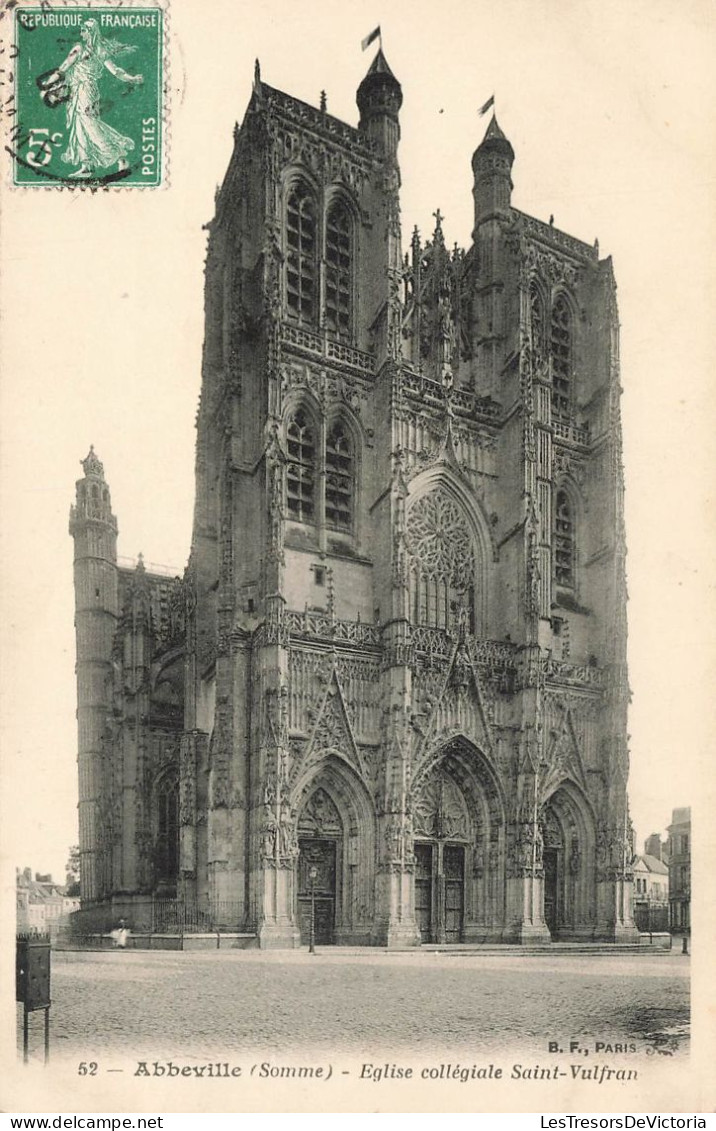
pixel 287 833
pixel 461 673
pixel 562 757
pixel 332 729
pixel 551 830
pixel 550 266
pixel 219 753
pixel 92 465
pixel 269 825
pixel 440 810
pixel 568 465
pixel 187 781
pixel 397 845
pixel 320 816
pixel 275 461
pixel 522 850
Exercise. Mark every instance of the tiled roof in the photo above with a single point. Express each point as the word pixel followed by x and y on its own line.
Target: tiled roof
pixel 653 864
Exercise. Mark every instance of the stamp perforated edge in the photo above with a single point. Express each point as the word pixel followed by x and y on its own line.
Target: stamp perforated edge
pixel 8 98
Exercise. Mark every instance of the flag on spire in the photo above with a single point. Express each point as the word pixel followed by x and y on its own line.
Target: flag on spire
pixel 490 102
pixel 375 34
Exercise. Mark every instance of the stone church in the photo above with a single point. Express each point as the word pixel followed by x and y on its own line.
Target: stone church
pixel 392 679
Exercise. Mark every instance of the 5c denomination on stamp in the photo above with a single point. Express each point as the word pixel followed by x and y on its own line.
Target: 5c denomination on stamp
pixel 89 90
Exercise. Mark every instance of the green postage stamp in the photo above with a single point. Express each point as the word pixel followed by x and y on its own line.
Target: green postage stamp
pixel 89 91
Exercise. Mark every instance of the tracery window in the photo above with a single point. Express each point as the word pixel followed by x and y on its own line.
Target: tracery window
pixel 561 351
pixel 167 827
pixel 564 541
pixel 338 270
pixel 340 477
pixel 301 467
pixel 442 575
pixel 301 254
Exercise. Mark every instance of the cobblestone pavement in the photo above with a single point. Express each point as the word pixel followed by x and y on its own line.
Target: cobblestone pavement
pixel 227 1002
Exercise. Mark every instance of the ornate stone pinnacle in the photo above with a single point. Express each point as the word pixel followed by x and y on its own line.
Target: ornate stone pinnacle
pixel 92 466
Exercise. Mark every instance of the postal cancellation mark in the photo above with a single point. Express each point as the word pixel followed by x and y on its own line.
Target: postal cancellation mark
pixel 88 96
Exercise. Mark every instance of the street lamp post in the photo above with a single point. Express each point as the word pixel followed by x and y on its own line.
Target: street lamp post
pixel 312 873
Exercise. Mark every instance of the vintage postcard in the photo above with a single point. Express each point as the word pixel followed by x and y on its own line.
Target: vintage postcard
pixel 357 530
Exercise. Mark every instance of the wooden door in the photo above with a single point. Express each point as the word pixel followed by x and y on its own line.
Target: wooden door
pixel 454 880
pixel 550 863
pixel 319 854
pixel 424 890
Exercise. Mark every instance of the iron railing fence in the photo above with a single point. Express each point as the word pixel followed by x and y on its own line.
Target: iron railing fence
pixel 187 917
pixel 157 916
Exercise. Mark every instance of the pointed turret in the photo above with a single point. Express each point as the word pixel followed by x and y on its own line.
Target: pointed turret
pixel 379 100
pixel 492 169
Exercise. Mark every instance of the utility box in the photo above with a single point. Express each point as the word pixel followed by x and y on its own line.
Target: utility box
pixel 32 972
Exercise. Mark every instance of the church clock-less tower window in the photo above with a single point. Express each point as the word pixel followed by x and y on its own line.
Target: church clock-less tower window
pixel 301 254
pixel 301 468
pixel 339 266
pixel 564 541
pixel 561 351
pixel 340 477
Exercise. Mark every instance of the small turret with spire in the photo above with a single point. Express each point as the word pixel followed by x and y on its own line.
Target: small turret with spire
pixel 379 99
pixel 492 169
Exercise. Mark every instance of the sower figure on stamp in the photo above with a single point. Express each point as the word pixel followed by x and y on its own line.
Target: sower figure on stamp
pixel 92 143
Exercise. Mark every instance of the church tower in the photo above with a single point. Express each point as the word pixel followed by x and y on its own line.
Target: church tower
pixel 391 685
pixel 94 530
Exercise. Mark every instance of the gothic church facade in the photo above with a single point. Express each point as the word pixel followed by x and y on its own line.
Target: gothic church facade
pixel 392 679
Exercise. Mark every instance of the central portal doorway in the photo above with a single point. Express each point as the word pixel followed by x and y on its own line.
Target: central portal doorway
pixel 319 854
pixel 439 891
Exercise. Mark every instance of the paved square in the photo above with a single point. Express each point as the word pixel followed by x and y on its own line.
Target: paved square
pixel 228 1002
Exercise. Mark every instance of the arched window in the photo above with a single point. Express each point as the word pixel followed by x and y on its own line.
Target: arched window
pixel 301 468
pixel 537 319
pixel 167 829
pixel 561 351
pixel 340 477
pixel 442 574
pixel 564 541
pixel 339 253
pixel 301 254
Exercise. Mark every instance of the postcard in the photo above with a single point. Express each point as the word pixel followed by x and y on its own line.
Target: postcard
pixel 357 511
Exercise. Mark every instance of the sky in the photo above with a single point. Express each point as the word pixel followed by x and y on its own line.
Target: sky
pixel 610 109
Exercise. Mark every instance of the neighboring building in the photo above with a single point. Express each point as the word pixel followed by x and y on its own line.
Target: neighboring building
pixel 394 671
pixel 654 846
pixel 680 870
pixel 651 890
pixel 42 905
